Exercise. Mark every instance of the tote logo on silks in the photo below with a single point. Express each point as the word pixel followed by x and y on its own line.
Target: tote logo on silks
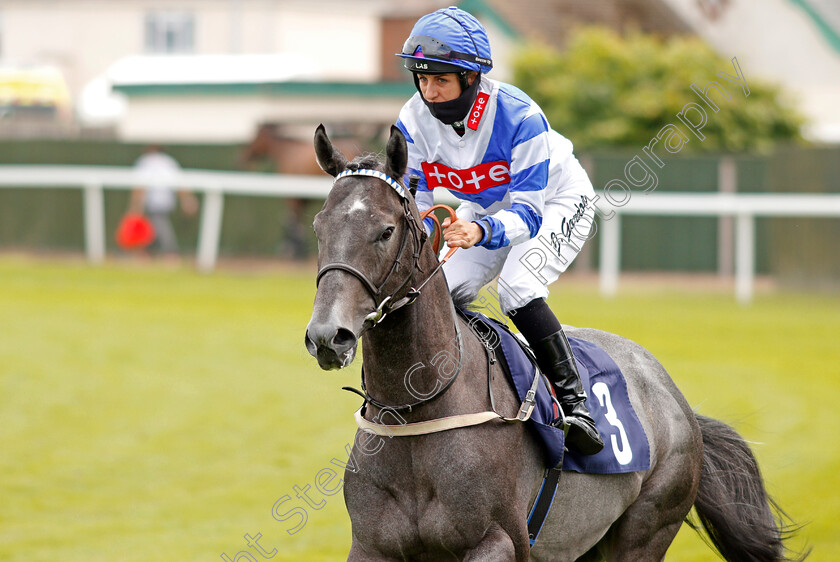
pixel 472 180
pixel 477 110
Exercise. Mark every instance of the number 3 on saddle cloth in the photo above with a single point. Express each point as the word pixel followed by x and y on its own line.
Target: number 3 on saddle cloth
pixel 626 445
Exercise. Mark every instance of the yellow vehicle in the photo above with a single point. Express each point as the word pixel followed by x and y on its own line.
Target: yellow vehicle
pixel 34 92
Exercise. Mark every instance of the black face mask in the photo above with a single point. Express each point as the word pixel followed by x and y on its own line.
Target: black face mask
pixel 452 111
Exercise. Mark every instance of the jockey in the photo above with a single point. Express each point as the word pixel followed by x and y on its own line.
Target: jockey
pixel 524 213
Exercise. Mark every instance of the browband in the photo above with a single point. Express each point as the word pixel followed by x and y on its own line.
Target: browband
pixel 375 174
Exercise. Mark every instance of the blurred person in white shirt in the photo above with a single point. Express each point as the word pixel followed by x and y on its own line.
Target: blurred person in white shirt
pixel 157 199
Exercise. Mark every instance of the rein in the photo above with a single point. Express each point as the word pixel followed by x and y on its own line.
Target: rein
pixel 526 409
pixel 410 407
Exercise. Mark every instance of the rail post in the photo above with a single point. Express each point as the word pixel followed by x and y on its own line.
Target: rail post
pixel 744 257
pixel 610 254
pixel 94 204
pixel 210 230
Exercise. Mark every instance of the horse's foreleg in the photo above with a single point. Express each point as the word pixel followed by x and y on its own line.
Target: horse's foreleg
pixel 496 545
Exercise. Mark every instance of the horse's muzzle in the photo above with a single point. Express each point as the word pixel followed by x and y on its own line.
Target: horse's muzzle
pixel 333 347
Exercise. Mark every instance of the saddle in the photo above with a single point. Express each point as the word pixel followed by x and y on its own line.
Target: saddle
pixel 627 448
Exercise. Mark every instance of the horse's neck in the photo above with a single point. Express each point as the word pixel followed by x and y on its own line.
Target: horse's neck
pixel 411 353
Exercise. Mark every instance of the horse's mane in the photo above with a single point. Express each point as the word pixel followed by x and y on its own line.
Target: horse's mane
pixel 463 297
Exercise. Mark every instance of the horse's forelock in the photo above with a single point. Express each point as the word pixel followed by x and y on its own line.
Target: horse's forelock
pixel 366 162
pixel 372 161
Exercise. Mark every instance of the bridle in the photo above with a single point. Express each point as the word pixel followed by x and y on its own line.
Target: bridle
pixel 384 305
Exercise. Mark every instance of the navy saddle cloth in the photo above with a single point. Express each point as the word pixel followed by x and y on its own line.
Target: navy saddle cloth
pixel 626 447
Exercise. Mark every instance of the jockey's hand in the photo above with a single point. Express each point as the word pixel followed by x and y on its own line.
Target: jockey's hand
pixel 461 233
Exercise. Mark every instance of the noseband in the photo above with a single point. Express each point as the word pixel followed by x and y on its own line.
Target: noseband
pixel 384 305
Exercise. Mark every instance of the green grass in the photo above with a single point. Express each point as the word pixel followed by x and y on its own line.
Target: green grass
pixel 157 414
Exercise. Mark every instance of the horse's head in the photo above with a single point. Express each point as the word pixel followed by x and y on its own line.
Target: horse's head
pixel 368 240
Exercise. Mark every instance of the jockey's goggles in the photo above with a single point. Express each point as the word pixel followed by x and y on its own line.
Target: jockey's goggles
pixel 422 46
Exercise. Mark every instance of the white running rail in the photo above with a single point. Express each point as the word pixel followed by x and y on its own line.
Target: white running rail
pixel 744 207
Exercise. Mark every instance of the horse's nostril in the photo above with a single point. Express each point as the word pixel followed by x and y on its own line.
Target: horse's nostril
pixel 344 338
pixel 309 343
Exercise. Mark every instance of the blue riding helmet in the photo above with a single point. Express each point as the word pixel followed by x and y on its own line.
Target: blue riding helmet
pixel 448 40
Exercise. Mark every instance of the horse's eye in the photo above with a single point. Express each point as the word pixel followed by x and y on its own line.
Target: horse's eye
pixel 387 234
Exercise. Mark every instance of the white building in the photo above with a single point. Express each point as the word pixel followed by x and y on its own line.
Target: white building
pixel 212 70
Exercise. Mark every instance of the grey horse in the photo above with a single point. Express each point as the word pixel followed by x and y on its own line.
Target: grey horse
pixel 465 493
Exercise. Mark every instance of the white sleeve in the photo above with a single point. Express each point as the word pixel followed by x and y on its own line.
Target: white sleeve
pixel 566 173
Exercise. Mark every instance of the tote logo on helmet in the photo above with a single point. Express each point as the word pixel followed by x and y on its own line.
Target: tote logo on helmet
pixel 472 180
pixel 477 110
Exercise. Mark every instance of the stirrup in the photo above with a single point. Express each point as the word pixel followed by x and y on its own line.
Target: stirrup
pixel 560 422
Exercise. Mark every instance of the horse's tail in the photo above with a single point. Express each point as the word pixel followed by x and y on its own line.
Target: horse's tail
pixel 741 520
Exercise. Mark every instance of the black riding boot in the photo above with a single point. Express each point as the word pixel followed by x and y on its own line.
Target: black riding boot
pixel 555 358
pixel 543 331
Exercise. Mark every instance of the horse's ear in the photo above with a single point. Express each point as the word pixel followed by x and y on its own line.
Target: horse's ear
pixel 330 159
pixel 397 154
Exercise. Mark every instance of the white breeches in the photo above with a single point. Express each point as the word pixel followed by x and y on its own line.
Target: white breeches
pixel 526 270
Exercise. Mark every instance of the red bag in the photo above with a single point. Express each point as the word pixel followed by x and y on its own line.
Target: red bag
pixel 134 232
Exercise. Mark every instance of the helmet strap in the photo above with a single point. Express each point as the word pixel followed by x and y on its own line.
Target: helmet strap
pixel 462 79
